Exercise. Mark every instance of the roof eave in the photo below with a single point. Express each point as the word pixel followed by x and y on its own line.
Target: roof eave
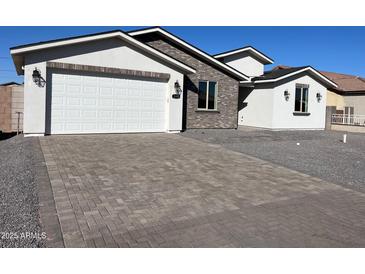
pixel 18 61
pixel 17 53
pixel 323 78
pixel 187 45
pixel 265 59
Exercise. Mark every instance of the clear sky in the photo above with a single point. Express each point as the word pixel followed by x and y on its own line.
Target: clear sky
pixel 338 49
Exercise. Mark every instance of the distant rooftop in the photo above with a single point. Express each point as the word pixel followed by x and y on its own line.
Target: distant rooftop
pixel 278 72
pixel 10 84
pixel 346 82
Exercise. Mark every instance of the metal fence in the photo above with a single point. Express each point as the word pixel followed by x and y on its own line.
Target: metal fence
pixel 345 119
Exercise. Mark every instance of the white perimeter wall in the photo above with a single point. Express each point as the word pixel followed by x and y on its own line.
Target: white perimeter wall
pixel 108 53
pixel 268 108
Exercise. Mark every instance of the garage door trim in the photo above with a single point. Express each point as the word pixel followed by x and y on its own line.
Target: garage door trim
pixel 110 70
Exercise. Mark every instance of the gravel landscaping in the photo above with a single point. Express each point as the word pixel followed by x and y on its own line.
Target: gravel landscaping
pixel 19 206
pixel 317 153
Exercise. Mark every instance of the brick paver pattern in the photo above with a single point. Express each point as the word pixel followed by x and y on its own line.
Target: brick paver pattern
pixel 164 190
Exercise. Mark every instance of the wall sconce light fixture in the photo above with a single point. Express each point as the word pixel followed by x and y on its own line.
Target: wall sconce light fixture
pixel 177 87
pixel 37 78
pixel 36 75
pixel 178 90
pixel 319 96
pixel 286 95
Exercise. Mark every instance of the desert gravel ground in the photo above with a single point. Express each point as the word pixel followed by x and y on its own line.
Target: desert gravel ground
pixel 19 207
pixel 317 153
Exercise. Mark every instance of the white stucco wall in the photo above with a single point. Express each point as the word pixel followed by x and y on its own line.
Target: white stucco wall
pixel 245 63
pixel 267 107
pixel 283 117
pixel 108 53
pixel 257 108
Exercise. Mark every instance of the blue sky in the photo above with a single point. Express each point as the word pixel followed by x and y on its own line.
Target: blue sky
pixel 338 49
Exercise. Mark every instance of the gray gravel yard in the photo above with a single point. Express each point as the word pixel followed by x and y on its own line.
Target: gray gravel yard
pixel 19 209
pixel 320 153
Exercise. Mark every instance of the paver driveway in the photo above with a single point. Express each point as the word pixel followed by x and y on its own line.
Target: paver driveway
pixel 164 190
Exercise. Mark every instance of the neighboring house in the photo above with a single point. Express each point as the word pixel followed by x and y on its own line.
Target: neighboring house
pixel 150 80
pixel 349 96
pixel 285 98
pixel 11 107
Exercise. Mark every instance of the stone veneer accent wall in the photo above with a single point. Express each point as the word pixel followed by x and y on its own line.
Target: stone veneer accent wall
pixel 227 101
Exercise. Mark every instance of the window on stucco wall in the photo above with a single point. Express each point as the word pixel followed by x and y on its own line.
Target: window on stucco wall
pixel 301 98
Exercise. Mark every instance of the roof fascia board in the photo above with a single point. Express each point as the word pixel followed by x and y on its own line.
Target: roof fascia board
pixel 191 48
pixel 297 72
pixel 62 43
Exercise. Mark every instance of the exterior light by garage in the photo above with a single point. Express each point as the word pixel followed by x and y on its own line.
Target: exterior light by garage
pixel 286 95
pixel 319 97
pixel 37 78
pixel 178 90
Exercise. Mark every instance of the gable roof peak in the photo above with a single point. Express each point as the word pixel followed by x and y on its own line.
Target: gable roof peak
pixel 283 73
pixel 19 51
pixel 206 56
pixel 258 54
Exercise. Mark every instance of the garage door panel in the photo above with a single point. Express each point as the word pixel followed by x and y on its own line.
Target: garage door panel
pixel 105 126
pixel 106 91
pixel 58 113
pixel 72 126
pixel 89 80
pixel 89 127
pixel 73 89
pixel 106 82
pixel 73 79
pixel 105 114
pixel 106 102
pixel 73 114
pixel 59 88
pixel 57 127
pixel 58 100
pixel 74 101
pixel 120 102
pixel 89 114
pixel 90 104
pixel 90 90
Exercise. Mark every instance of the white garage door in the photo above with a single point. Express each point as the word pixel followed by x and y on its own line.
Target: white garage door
pixel 92 104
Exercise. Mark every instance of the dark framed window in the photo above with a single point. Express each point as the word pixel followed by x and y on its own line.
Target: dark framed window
pixel 207 95
pixel 301 98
